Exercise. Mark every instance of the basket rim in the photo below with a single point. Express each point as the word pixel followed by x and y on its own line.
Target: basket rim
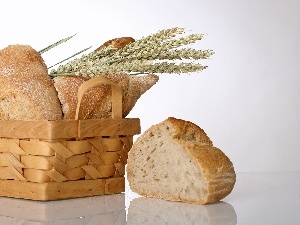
pixel 64 129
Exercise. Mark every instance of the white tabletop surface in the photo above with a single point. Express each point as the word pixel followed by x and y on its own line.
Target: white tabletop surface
pixel 257 198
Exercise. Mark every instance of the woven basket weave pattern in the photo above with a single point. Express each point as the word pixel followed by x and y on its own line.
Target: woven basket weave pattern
pixel 59 161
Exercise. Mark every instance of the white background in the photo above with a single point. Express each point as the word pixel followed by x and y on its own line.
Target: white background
pixel 247 101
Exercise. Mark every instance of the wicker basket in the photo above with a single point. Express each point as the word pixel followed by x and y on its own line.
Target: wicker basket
pixel 51 160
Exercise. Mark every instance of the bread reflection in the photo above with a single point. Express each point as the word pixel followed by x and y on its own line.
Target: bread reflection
pixel 106 209
pixel 157 211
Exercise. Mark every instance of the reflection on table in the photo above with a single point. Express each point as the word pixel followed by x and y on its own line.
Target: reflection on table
pixel 148 211
pixel 106 209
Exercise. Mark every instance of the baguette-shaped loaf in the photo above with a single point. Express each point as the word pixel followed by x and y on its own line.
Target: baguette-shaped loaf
pixel 96 103
pixel 175 160
pixel 27 92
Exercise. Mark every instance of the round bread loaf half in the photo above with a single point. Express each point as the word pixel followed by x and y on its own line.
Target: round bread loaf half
pixel 27 91
pixel 175 160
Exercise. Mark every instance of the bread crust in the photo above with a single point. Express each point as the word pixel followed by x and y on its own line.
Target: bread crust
pixel 116 43
pixel 27 92
pixel 188 131
pixel 217 172
pixel 67 89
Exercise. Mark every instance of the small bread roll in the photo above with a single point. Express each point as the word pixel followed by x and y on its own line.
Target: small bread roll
pixel 175 160
pixel 27 92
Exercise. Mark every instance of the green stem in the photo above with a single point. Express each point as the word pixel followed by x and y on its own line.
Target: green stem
pixel 55 44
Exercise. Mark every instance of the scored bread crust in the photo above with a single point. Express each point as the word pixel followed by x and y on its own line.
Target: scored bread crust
pixel 67 89
pixel 96 103
pixel 175 160
pixel 27 91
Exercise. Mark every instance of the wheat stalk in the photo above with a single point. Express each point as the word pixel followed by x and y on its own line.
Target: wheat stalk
pixel 150 54
pixel 56 44
pixel 138 67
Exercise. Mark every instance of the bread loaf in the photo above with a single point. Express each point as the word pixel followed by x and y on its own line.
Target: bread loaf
pixel 96 103
pixel 175 160
pixel 27 92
